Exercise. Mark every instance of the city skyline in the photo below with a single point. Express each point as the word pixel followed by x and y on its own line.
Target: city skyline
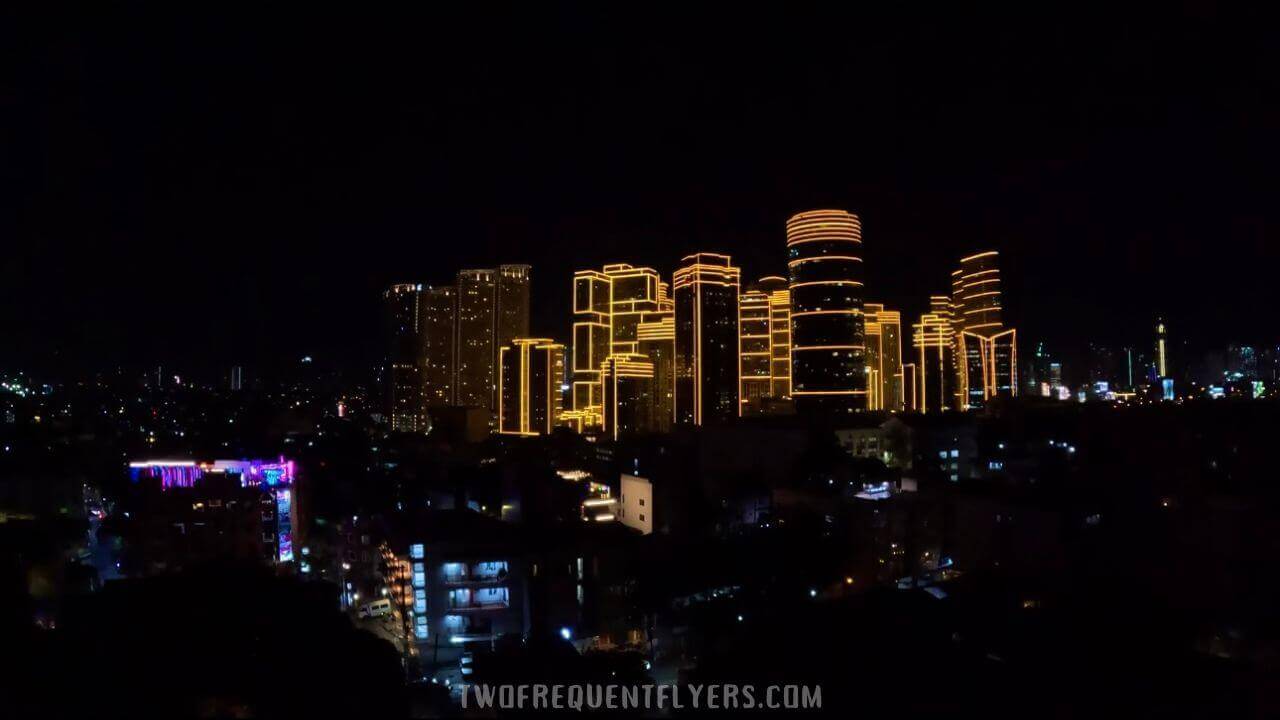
pixel 302 221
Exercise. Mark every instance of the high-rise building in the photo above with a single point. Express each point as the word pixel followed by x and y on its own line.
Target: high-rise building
pixel 779 336
pixel 406 407
pixel 474 346
pixel 986 352
pixel 753 342
pixel 706 343
pixel 910 386
pixel 439 311
pixel 629 407
pixel 883 330
pixel 610 306
pixel 493 309
pixel 529 376
pixel 934 343
pixel 828 348
pixel 237 377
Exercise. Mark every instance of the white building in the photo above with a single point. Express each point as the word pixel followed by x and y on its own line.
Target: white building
pixel 635 504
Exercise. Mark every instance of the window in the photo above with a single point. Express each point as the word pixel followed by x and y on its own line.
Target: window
pixel 419 579
pixel 641 502
pixel 416 551
pixel 420 600
pixel 641 517
pixel 955 453
pixel 420 627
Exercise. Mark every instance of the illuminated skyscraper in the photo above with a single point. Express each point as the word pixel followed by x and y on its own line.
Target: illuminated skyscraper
pixel 934 342
pixel 1162 349
pixel 910 386
pixel 439 310
pixel 529 397
pixel 493 308
pixel 986 352
pixel 779 336
pixel 706 316
pixel 884 358
pixel 828 349
pixel 629 405
pixel 753 343
pixel 406 406
pixel 610 306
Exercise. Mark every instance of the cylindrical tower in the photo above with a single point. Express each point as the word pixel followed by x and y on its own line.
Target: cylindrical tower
pixel 828 349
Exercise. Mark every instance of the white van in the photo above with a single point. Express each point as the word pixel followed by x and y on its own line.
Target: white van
pixel 377 608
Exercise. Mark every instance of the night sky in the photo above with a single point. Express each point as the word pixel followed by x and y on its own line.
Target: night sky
pixel 206 190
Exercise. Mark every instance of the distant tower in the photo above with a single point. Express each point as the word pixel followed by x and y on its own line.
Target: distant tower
pixel 828 350
pixel 493 309
pixel 706 315
pixel 629 405
pixel 237 378
pixel 405 403
pixel 884 358
pixel 1162 343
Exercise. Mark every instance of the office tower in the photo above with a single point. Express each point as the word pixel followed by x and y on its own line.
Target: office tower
pixel 610 306
pixel 828 350
pixel 934 343
pixel 779 336
pixel 237 378
pixel 1162 358
pixel 986 352
pixel 529 375
pixel 438 315
pixel 883 330
pixel 406 408
pixel 493 309
pixel 628 382
pixel 657 341
pixel 706 316
pixel 753 342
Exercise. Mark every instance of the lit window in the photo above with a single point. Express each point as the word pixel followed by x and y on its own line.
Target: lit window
pixel 955 453
pixel 416 551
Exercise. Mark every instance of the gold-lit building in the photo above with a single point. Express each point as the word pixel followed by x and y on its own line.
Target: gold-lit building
pixel 1162 358
pixel 629 407
pixel 933 341
pixel 406 405
pixel 439 308
pixel 884 358
pixel 910 385
pixel 529 397
pixel 779 335
pixel 656 339
pixel 610 306
pixel 828 348
pixel 755 379
pixel 705 289
pixel 986 353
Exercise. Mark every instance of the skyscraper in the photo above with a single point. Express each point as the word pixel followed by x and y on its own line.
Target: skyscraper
pixel 406 407
pixel 610 306
pixel 529 397
pixel 884 358
pixel 986 352
pixel 934 343
pixel 706 343
pixel 629 406
pixel 828 349
pixel 779 336
pixel 439 311
pixel 753 343
pixel 493 309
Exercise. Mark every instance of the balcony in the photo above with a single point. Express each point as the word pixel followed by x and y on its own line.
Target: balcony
pixel 466 600
pixel 475 574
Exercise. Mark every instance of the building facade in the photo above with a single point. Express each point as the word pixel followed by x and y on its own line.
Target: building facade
pixel 754 364
pixel 406 402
